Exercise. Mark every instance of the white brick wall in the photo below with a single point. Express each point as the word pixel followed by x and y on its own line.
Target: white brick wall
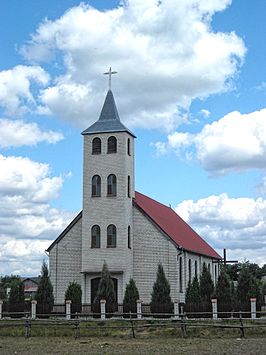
pixel 107 210
pixel 152 247
pixel 149 248
pixel 65 262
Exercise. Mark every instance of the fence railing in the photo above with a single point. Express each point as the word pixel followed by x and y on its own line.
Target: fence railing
pixel 139 310
pixel 79 327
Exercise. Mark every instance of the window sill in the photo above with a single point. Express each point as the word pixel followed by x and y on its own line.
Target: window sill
pixel 111 195
pixel 111 247
pixel 94 153
pixel 95 196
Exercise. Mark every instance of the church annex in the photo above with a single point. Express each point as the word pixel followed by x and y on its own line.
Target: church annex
pixel 128 230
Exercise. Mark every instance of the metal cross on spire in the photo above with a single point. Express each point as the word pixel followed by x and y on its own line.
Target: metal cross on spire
pixel 110 72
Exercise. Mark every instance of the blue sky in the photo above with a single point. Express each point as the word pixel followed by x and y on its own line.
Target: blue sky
pixel 191 84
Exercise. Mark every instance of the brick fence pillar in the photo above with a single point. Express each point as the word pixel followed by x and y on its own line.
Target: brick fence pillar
pixel 103 312
pixel 253 308
pixel 139 311
pixel 214 308
pixel 33 309
pixel 176 309
pixel 68 309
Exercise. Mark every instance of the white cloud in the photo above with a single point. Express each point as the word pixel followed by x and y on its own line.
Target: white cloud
pixel 166 54
pixel 16 93
pixel 205 112
pixel 261 187
pixel 236 142
pixel 18 133
pixel 28 223
pixel 237 224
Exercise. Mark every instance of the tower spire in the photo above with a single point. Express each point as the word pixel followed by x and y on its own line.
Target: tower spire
pixel 110 73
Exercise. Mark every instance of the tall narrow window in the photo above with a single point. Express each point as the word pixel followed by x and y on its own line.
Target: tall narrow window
pixel 111 185
pixel 95 237
pixel 180 275
pixel 96 146
pixel 128 186
pixel 209 267
pixel 111 145
pixel 215 274
pixel 96 186
pixel 128 147
pixel 128 237
pixel 189 270
pixel 111 236
pixel 196 268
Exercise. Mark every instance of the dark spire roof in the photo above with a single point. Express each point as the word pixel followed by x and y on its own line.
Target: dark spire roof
pixel 109 120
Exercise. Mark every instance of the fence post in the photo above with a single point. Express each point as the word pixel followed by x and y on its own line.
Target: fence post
pixel 214 308
pixel 139 312
pixel 33 309
pixel 103 304
pixel 176 309
pixel 1 308
pixel 253 308
pixel 68 309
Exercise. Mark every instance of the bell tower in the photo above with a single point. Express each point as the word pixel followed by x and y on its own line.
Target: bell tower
pixel 108 190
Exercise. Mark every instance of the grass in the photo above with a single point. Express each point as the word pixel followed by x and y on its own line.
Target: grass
pixel 122 328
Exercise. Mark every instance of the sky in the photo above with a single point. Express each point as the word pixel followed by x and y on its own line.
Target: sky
pixel 191 85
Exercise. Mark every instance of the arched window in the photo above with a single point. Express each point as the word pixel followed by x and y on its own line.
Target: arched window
pixel 111 145
pixel 111 236
pixel 96 186
pixel 95 237
pixel 128 146
pixel 128 186
pixel 111 185
pixel 96 146
pixel 128 237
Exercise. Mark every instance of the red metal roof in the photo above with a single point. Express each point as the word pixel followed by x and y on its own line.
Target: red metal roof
pixel 174 226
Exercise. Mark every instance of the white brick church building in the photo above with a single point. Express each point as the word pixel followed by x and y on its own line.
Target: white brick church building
pixel 128 230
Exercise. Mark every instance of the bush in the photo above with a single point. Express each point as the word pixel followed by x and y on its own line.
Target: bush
pixel 44 294
pixel 161 300
pixel 74 294
pixel 131 297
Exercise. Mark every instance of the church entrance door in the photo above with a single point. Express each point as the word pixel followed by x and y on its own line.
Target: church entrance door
pixel 95 284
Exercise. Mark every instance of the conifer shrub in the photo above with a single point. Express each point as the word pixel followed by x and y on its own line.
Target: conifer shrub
pixel 130 298
pixel 74 294
pixel 105 292
pixel 160 298
pixel 206 284
pixel 44 295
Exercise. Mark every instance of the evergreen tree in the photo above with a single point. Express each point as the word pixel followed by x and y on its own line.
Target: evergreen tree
pixel 161 288
pixel 17 292
pixel 131 293
pixel 248 286
pixel 106 287
pixel 206 284
pixel 188 292
pixel 44 294
pixel 193 294
pixel 223 288
pixel 73 293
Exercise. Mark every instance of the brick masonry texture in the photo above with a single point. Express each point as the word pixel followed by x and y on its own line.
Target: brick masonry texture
pixel 73 259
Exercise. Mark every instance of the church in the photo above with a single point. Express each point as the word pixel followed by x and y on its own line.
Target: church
pixel 130 231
